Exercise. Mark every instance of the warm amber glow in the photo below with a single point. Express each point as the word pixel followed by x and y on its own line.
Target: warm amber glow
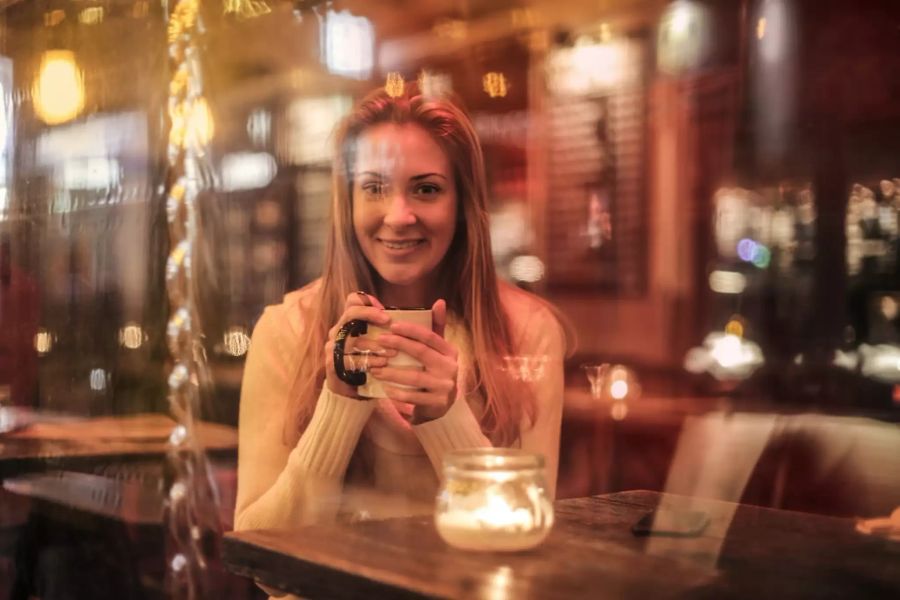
pixel 605 32
pixel 619 411
pixel 91 16
pixel 618 389
pixel 761 28
pixel 54 17
pixel 246 9
pixel 192 123
pixel 495 84
pixel 183 19
pixel 889 308
pixel 59 88
pixel 394 84
pixel 200 124
pixel 131 336
pixel 43 341
pixel 735 327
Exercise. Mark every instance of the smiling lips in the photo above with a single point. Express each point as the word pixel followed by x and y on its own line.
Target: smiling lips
pixel 401 244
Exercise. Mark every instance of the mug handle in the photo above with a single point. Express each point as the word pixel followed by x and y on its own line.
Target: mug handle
pixel 353 328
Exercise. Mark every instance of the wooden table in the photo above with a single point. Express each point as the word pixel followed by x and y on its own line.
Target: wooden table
pixel 746 552
pixel 46 460
pixel 66 442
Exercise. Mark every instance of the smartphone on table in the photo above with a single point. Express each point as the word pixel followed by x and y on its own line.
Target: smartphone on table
pixel 671 522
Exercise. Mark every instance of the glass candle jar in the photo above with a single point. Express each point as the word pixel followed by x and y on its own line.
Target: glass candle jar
pixel 493 499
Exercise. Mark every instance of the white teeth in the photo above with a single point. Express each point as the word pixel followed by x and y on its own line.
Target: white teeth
pixel 400 245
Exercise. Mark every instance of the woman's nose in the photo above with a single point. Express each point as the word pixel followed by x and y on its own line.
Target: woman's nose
pixel 399 213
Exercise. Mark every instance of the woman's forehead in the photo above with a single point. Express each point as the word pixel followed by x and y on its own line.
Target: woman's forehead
pixel 391 148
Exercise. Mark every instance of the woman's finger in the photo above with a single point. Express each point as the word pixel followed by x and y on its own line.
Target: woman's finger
pixel 424 336
pixel 363 362
pixel 364 344
pixel 415 378
pixel 413 396
pixel 370 314
pixel 427 356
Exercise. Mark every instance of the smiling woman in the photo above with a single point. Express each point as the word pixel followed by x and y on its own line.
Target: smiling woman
pixel 409 227
pixel 404 210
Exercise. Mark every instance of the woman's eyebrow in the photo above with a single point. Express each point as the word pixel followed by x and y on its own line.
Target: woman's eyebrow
pixel 373 174
pixel 427 175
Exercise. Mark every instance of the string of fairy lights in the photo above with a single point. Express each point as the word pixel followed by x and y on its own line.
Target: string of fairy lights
pixel 192 521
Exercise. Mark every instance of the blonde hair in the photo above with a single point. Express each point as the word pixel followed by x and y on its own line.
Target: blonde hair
pixel 469 280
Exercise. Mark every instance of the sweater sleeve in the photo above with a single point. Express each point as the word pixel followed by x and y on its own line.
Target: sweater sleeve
pixel 279 486
pixel 456 430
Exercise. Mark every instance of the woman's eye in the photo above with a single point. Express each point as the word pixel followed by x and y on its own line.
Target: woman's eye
pixel 374 188
pixel 428 189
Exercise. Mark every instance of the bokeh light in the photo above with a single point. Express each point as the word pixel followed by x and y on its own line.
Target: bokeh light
pixel 43 341
pixel 59 88
pixel 235 341
pixel 131 336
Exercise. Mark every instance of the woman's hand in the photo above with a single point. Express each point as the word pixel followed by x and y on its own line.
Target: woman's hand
pixel 435 386
pixel 367 308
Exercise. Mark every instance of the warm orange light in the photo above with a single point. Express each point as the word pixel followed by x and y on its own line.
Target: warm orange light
pixel 619 411
pixel 495 84
pixel 59 88
pixel 200 124
pixel 43 341
pixel 605 32
pixel 394 84
pixel 131 336
pixel 91 15
pixel 761 28
pixel 735 327
pixel 618 389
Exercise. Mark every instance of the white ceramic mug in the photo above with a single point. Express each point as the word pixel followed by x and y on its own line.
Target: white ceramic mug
pixel 369 386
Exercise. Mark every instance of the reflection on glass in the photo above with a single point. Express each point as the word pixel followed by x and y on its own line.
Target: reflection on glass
pixel 349 44
pixel 612 382
pixel 525 367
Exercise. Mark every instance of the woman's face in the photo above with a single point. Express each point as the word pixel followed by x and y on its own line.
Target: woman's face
pixel 404 207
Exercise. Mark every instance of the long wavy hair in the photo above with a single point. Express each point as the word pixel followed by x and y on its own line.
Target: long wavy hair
pixel 469 281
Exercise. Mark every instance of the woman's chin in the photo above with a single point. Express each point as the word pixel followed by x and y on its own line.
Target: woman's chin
pixel 401 281
pixel 404 279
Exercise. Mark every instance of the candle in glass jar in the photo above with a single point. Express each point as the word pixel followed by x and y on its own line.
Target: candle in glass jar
pixel 494 500
pixel 495 526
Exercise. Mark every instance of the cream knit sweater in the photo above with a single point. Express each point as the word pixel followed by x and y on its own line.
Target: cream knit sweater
pixel 362 458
